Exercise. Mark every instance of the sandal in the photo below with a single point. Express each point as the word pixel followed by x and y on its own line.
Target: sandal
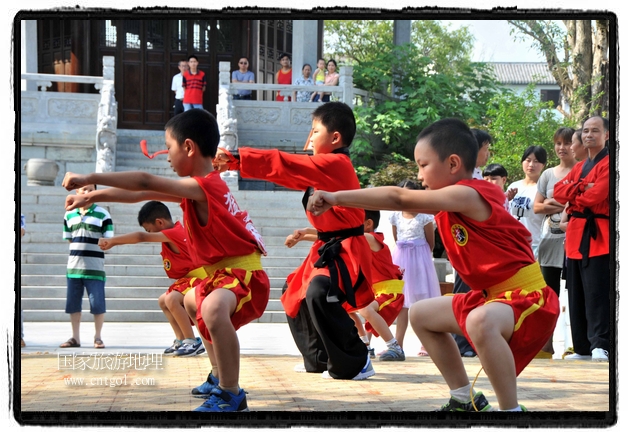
pixel 98 343
pixel 70 343
pixel 423 353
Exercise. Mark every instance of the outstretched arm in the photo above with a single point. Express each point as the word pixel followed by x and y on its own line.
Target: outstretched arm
pixel 115 195
pixel 132 238
pixel 138 181
pixel 307 234
pixel 456 198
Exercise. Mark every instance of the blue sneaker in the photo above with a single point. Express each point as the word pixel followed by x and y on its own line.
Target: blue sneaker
pixel 175 346
pixel 222 401
pixel 189 349
pixel 205 389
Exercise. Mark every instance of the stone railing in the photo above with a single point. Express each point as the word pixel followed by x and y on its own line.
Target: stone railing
pixel 66 127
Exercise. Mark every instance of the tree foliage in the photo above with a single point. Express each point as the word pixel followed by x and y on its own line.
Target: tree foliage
pixel 577 56
pixel 517 122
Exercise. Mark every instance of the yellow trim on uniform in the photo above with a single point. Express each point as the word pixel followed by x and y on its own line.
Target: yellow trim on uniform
pixel 528 279
pixel 250 262
pixel 389 301
pixel 197 273
pixel 391 286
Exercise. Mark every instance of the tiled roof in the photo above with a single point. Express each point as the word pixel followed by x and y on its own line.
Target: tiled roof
pixel 523 73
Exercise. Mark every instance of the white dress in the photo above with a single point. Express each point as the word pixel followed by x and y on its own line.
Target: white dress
pixel 522 208
pixel 414 256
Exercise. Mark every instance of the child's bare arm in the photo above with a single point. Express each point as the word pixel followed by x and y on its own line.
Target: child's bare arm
pixel 394 231
pixel 429 234
pixel 307 234
pixel 373 243
pixel 132 238
pixel 455 198
pixel 115 195
pixel 138 181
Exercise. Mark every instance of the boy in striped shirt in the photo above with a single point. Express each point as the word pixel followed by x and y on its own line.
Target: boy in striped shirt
pixel 82 227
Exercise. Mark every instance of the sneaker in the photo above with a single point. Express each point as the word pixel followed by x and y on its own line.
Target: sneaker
pixel 366 372
pixel 394 353
pixel 299 367
pixel 22 343
pixel 456 405
pixel 190 349
pixel 469 354
pixel 206 388
pixel 576 356
pixel 175 346
pixel 371 352
pixel 222 401
pixel 599 355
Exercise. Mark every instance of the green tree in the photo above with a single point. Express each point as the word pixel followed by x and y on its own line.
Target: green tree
pixel 577 56
pixel 517 122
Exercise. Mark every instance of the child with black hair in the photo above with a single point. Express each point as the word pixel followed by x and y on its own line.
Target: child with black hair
pixel 484 144
pixel 510 311
pixel 413 233
pixel 155 218
pixel 496 173
pixel 337 268
pixel 221 235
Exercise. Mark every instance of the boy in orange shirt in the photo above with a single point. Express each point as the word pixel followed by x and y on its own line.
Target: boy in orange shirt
pixel 221 235
pixel 510 312
pixel 155 218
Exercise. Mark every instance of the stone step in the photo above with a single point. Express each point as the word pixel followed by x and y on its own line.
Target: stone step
pixel 60 280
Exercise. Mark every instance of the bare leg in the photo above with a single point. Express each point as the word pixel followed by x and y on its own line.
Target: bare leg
pixel 371 314
pixel 99 320
pixel 402 326
pixel 216 310
pixel 174 303
pixel 433 320
pixel 490 327
pixel 75 320
pixel 358 324
pixel 173 323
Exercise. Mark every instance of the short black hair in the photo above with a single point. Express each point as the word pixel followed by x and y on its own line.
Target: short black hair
pixel 539 152
pixel 282 55
pixel 373 215
pixel 337 117
pixel 452 136
pixel 153 210
pixel 564 133
pixel 198 125
pixel 604 121
pixel 192 56
pixel 578 134
pixel 333 61
pixel 306 64
pixel 494 169
pixel 482 137
pixel 409 184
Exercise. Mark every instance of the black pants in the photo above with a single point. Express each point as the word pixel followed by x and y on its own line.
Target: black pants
pixel 589 303
pixel 462 342
pixel 178 106
pixel 551 275
pixel 325 334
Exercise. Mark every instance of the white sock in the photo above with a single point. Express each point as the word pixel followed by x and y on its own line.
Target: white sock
pixel 391 343
pixel 365 339
pixel 518 408
pixel 191 341
pixel 462 394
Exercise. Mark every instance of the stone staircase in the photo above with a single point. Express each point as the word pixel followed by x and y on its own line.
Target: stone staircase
pixel 135 276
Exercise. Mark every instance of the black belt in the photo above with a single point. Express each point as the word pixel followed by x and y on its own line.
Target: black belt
pixel 589 232
pixel 330 257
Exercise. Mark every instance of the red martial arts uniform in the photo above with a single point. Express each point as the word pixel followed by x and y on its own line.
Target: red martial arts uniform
pixel 180 266
pixel 495 259
pixel 229 248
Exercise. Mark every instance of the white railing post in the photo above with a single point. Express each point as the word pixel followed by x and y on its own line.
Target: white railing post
pixel 227 123
pixel 107 121
pixel 346 83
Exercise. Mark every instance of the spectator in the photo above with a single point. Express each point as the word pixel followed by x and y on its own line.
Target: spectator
pixel 243 75
pixel 577 148
pixel 284 76
pixel 177 87
pixel 194 84
pixel 586 189
pixel 521 194
pixel 304 79
pixel 484 143
pixel 319 79
pixel 495 173
pixel 331 79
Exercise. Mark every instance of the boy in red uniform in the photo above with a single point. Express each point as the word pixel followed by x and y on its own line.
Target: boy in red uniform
pixel 387 288
pixel 510 312
pixel 221 235
pixel 194 84
pixel 586 189
pixel 337 267
pixel 155 218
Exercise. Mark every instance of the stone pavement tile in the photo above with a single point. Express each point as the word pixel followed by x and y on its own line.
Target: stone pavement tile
pixel 414 385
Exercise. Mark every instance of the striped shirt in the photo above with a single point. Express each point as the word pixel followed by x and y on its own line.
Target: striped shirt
pixel 86 259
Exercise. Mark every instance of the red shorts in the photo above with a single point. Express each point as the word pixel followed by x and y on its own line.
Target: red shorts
pixel 251 288
pixel 535 313
pixel 184 284
pixel 389 307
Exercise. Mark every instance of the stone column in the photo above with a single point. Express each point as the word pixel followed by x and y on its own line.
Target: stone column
pixel 402 30
pixel 107 122
pixel 28 46
pixel 346 83
pixel 304 38
pixel 227 123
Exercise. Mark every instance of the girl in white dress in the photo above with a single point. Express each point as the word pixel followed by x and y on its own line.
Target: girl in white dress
pixel 414 237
